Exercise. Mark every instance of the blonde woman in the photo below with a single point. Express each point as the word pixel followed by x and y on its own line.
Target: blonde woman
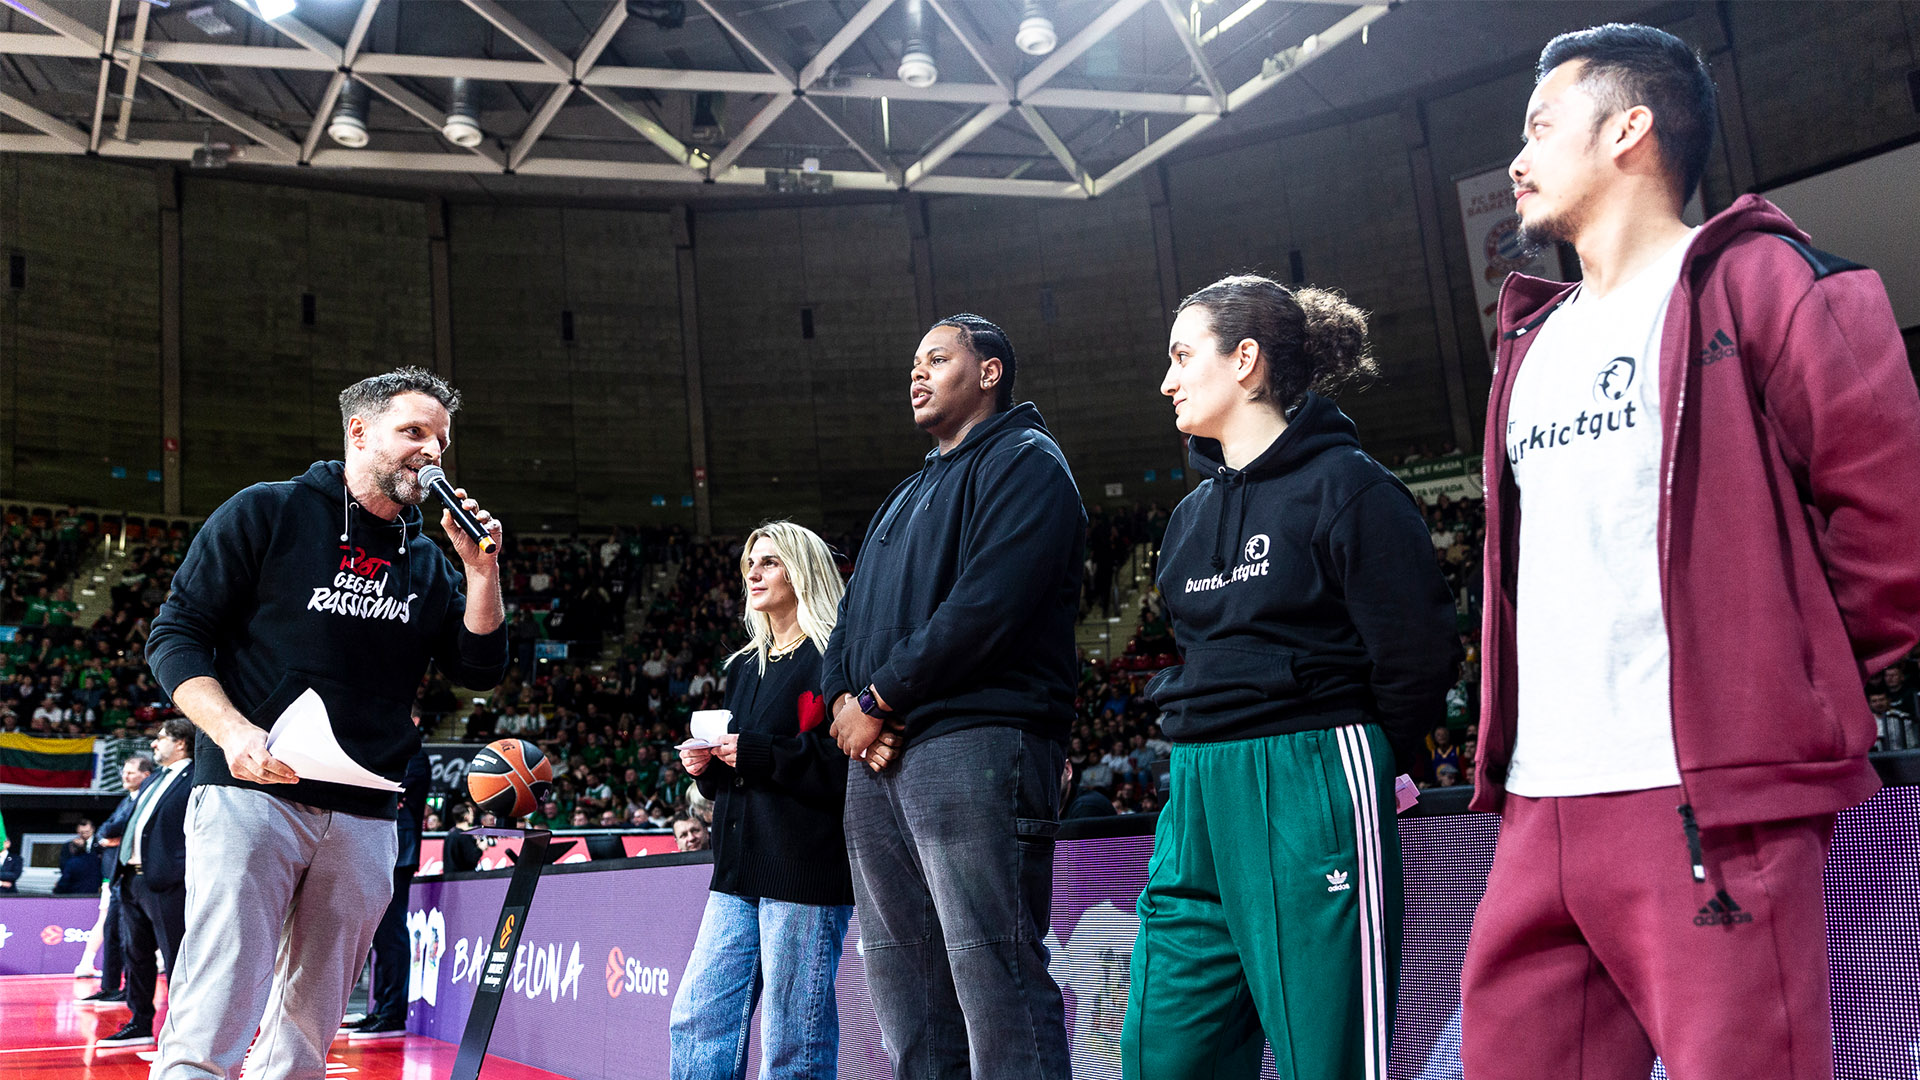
pixel 781 893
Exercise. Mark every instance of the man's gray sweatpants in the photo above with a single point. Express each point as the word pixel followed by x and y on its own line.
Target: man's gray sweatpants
pixel 282 901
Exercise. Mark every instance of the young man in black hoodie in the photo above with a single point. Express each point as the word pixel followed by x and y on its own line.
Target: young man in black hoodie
pixel 323 587
pixel 955 638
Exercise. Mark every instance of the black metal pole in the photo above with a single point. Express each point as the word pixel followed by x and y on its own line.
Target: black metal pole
pixel 506 938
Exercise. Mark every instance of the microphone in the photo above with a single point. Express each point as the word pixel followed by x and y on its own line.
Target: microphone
pixel 435 479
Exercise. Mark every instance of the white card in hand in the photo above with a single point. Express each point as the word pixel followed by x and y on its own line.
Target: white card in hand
pixel 710 725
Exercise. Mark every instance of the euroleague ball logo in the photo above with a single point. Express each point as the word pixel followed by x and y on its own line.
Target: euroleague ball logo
pixel 506 933
pixel 52 935
pixel 1257 547
pixel 616 972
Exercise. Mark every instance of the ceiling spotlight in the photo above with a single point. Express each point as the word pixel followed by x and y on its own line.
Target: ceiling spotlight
pixel 917 68
pixel 273 9
pixel 1035 36
pixel 462 126
pixel 349 124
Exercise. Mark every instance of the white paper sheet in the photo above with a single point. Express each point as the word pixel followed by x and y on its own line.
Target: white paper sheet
pixel 709 726
pixel 302 737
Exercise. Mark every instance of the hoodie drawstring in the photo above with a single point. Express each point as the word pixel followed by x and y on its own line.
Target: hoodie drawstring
pixel 1229 481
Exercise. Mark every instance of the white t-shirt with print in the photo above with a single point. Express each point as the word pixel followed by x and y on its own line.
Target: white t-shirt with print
pixel 1583 440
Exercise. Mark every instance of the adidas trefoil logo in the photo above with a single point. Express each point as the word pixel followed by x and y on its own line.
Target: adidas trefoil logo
pixel 1719 347
pixel 1722 911
pixel 1337 881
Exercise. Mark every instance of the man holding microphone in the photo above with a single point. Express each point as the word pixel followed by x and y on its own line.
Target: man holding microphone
pixel 323 587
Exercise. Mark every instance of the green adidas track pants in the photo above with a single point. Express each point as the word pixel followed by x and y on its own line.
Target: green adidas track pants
pixel 1272 904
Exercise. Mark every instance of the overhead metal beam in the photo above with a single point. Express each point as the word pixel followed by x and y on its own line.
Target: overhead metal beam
pixel 319 45
pixel 829 54
pixel 1200 65
pixel 522 34
pixel 73 29
pixel 1056 146
pixel 634 78
pixel 107 40
pixel 75 139
pixel 1103 24
pixel 755 128
pixel 324 112
pixel 132 83
pixel 860 148
pixel 572 68
pixel 1288 61
pixel 974 48
pixel 952 144
pixel 767 57
pixel 269 139
pixel 429 114
pixel 647 127
pixel 582 168
pixel 841 41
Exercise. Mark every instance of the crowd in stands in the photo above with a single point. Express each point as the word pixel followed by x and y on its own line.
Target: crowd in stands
pixel 607 690
pixel 59 678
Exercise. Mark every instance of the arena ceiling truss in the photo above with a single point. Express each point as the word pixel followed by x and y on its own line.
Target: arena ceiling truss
pixel 938 96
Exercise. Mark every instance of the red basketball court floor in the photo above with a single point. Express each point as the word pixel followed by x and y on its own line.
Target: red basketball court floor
pixel 46 1034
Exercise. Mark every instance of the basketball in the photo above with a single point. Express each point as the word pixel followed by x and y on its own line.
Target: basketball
pixel 508 778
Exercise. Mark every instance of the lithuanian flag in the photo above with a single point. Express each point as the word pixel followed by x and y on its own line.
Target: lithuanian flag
pixel 42 762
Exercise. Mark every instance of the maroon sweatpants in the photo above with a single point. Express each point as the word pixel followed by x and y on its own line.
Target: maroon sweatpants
pixel 1594 949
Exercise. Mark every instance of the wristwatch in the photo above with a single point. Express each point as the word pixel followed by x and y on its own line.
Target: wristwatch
pixel 871 705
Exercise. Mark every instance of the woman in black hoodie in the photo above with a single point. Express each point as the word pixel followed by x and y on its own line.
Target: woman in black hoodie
pixel 782 892
pixel 1317 644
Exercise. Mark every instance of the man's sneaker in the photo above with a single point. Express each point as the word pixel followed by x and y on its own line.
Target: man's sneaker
pixel 130 1035
pixel 375 1027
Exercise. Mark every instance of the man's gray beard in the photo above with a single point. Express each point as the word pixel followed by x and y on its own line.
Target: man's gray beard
pixel 391 481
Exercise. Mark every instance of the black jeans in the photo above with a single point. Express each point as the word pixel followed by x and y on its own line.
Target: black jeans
pixel 952 853
pixel 387 982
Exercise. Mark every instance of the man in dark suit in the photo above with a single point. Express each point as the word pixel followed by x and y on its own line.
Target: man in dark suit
pixel 151 878
pixel 113 988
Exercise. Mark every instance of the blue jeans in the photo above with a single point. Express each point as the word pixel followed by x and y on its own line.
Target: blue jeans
pixel 952 853
pixel 748 946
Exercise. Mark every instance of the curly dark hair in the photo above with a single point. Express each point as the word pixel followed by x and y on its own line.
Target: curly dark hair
pixel 1312 339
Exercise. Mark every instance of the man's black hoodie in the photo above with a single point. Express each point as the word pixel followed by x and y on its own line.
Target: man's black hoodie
pixel 293 586
pixel 1304 594
pixel 962 606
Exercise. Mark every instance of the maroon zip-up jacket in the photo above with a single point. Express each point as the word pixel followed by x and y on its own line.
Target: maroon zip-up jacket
pixel 1789 524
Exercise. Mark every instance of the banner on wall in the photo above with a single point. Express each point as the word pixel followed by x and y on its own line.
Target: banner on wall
pixel 1457 476
pixel 45 935
pixel 1493 243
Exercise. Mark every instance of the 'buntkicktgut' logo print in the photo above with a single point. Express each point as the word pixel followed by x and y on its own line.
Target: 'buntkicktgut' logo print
pixel 1611 386
pixel 360 589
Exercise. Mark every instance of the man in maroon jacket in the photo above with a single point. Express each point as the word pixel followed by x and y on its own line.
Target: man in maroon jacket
pixel 1700 543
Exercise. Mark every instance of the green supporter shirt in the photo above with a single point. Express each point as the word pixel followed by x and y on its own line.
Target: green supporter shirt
pixel 36 615
pixel 61 612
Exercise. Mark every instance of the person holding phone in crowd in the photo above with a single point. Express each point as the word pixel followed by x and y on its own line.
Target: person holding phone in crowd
pixel 782 894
